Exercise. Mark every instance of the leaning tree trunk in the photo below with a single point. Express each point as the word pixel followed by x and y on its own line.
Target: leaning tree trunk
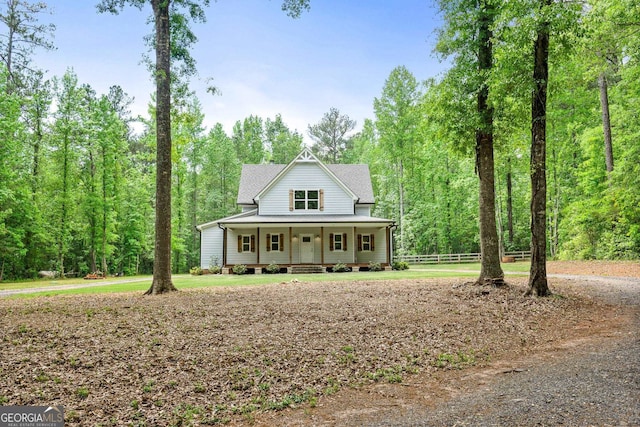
pixel 538 274
pixel 491 272
pixel 162 257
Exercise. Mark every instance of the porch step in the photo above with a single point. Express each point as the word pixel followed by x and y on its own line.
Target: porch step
pixel 307 269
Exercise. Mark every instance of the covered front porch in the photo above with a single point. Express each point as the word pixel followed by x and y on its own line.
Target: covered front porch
pixel 306 247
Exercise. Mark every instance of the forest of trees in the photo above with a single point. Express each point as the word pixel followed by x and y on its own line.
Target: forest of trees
pixel 77 185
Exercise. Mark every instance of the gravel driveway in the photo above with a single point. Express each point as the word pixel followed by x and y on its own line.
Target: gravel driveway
pixel 596 383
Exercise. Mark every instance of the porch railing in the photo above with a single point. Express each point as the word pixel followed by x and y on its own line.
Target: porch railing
pixel 456 258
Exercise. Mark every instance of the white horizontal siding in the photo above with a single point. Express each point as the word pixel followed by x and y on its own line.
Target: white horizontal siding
pixel 211 247
pixel 306 176
pixel 277 257
pixel 363 210
pixel 348 256
pixel 379 254
pixel 235 257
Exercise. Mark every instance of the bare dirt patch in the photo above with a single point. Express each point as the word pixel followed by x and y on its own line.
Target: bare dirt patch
pixel 238 355
pixel 595 268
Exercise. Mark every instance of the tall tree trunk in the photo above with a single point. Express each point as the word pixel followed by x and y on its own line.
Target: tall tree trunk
pixel 538 274
pixel 194 207
pixel 194 253
pixel 437 233
pixel 162 256
pixel 491 272
pixel 554 239
pixel 105 203
pixel 447 194
pixel 62 242
pixel 401 206
pixel 509 203
pixel 11 12
pixel 606 121
pixel 179 207
pixel 93 215
pixel 35 185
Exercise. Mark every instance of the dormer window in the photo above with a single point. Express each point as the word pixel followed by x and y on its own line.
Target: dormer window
pixel 306 200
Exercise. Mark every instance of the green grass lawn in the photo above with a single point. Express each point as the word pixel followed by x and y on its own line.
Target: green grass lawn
pixel 512 267
pixel 142 283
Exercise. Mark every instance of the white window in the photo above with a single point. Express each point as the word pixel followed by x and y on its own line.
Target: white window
pixel 306 199
pixel 366 242
pixel 275 242
pixel 338 242
pixel 246 243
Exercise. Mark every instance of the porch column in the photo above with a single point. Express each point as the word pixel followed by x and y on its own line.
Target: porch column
pixel 354 248
pixel 290 245
pixel 258 246
pixel 321 245
pixel 224 247
pixel 388 233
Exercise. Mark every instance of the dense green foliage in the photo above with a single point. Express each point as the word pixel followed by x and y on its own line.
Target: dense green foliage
pixel 77 184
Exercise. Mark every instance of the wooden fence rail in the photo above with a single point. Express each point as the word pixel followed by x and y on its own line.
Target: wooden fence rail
pixel 456 258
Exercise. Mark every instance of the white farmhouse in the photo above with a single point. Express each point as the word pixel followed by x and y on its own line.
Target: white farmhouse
pixel 305 216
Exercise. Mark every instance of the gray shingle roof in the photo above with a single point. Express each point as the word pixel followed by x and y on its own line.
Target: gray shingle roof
pixel 357 178
pixel 255 178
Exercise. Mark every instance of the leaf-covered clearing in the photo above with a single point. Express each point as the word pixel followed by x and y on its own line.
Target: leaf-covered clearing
pixel 224 355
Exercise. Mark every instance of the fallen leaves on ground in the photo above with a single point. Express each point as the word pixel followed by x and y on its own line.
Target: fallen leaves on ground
pixel 211 356
pixel 596 268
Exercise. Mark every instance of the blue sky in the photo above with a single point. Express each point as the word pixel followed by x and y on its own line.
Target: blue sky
pixel 338 54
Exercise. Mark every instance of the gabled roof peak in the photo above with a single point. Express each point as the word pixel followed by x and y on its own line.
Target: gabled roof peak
pixel 306 156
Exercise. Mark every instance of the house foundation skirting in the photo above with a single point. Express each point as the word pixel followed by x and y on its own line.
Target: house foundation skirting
pixel 300 268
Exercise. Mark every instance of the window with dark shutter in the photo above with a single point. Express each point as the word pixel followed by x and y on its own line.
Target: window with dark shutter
pixel 365 242
pixel 338 242
pixel 246 243
pixel 275 242
pixel 306 200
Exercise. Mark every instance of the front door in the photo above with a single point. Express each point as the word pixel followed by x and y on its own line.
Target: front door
pixel 306 248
